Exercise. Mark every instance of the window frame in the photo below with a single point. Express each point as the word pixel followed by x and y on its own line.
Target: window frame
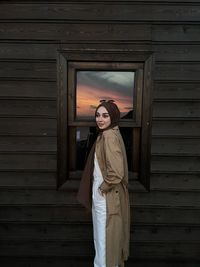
pixel 68 62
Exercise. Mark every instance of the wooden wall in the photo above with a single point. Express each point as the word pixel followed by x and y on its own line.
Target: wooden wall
pixel 40 226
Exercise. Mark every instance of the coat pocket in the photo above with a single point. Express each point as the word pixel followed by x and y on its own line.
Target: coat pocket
pixel 113 202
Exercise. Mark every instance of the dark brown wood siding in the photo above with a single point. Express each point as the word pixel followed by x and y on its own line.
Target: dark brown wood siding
pixel 40 226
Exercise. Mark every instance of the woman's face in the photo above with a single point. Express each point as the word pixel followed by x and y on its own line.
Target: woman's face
pixel 102 118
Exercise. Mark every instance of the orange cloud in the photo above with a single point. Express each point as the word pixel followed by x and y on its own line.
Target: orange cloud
pixel 88 98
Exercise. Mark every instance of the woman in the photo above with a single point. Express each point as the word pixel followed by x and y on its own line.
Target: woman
pixel 103 189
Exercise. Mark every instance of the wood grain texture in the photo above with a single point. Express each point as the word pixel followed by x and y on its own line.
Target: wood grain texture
pixel 29 144
pixel 177 127
pixel 56 231
pixel 28 179
pixel 172 181
pixel 24 88
pixel 28 107
pixel 28 161
pixel 28 70
pixel 54 261
pixel 177 71
pixel 177 163
pixel 60 213
pixel 175 145
pixel 176 109
pixel 74 32
pixel 131 11
pixel 28 126
pixel 151 250
pixel 52 197
pixel 175 90
pixel 29 50
pixel 176 33
pixel 176 52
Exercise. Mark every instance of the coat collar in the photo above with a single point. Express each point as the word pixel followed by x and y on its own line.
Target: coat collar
pixel 113 128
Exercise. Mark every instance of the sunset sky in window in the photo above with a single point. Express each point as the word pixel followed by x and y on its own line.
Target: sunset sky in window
pixel 92 86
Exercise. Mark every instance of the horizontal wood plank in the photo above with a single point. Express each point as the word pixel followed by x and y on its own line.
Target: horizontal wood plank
pixel 162 181
pixel 17 143
pixel 140 214
pixel 43 213
pixel 40 162
pixel 176 90
pixel 177 71
pixel 176 128
pixel 83 231
pixel 88 261
pixel 160 250
pixel 74 32
pixel 25 88
pixel 37 50
pixel 166 198
pixel 178 52
pixel 176 33
pixel 109 11
pixel 138 45
pixel 176 163
pixel 28 179
pixel 28 70
pixel 50 261
pixel 28 107
pixel 38 180
pixel 50 197
pixel 104 1
pixel 175 145
pixel 167 215
pixel 28 126
pixel 186 109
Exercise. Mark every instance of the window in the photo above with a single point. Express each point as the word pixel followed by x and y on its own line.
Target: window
pixel 85 78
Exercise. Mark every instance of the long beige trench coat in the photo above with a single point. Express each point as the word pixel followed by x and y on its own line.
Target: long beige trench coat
pixel 111 156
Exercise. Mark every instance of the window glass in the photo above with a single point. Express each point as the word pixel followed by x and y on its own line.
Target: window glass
pixel 93 86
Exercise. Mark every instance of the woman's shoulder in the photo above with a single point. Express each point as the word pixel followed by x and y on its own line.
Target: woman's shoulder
pixel 112 133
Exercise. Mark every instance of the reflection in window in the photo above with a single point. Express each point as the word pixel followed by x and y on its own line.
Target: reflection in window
pixel 85 137
pixel 92 86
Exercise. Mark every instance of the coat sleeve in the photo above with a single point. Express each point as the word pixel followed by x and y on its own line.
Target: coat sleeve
pixel 114 162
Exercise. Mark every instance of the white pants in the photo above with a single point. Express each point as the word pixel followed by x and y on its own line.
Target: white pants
pixel 99 218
